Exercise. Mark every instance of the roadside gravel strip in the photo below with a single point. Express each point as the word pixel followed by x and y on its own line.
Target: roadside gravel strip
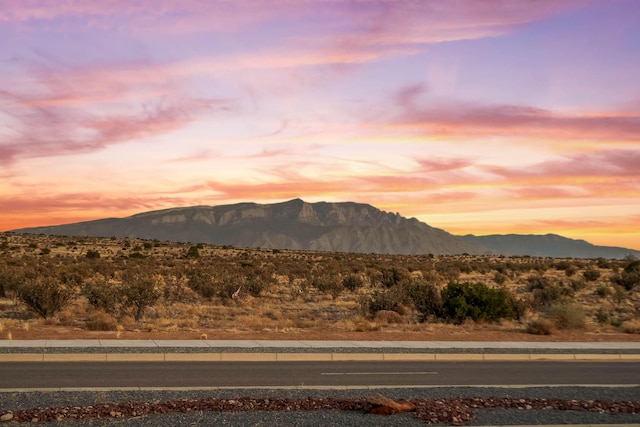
pixel 441 406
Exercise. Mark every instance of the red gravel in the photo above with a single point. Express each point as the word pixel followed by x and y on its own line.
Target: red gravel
pixel 451 411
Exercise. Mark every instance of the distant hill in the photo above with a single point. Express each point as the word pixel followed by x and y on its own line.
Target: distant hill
pixel 322 226
pixel 339 227
pixel 548 245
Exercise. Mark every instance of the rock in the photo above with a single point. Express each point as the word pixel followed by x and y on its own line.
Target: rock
pixel 6 417
pixel 380 405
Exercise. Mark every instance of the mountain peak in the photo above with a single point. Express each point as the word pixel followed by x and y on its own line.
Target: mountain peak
pixel 293 224
pixel 322 226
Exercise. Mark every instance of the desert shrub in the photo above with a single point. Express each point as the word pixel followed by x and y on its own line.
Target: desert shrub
pixel 499 278
pixel 176 289
pixel 102 295
pixel 202 280
pixel 101 321
pixel 449 270
pixel 383 299
pixel 591 275
pixel 570 271
pixel 549 293
pixel 394 276
pixel 562 265
pixel 45 295
pixel 387 316
pixel 567 316
pixel 328 284
pixel 426 298
pixel 193 252
pixel 631 326
pixel 476 301
pixel 540 327
pixel 352 282
pixel 92 254
pixel 603 291
pixel 602 316
pixel 630 276
pixel 537 281
pixel 577 284
pixel 9 280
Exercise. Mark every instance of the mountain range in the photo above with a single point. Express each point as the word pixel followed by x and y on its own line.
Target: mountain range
pixel 322 226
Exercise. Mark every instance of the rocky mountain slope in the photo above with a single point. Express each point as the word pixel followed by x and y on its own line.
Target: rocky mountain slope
pixel 337 227
pixel 340 227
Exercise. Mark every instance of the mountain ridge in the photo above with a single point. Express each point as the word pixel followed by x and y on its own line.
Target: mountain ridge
pixel 322 226
pixel 547 245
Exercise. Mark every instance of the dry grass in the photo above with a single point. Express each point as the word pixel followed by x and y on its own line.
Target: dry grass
pixel 631 326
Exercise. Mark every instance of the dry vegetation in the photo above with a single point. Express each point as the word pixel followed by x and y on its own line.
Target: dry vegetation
pixel 74 287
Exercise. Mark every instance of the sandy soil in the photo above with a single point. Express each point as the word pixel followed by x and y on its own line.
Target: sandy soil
pixel 439 333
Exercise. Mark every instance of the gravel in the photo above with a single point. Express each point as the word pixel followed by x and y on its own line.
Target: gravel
pixel 376 350
pixel 447 396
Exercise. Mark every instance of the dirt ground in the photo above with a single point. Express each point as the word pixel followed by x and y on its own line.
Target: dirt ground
pixel 435 333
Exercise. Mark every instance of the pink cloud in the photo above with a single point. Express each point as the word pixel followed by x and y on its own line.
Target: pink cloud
pixel 441 165
pixel 605 163
pixel 464 119
pixel 85 111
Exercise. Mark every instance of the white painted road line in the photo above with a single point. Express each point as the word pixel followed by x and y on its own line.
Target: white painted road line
pixel 378 373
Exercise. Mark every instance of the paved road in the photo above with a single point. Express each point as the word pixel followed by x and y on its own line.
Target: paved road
pixel 313 374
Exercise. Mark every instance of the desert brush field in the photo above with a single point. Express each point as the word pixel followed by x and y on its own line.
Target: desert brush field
pixel 115 288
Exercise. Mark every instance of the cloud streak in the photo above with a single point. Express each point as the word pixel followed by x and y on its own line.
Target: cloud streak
pixel 472 120
pixel 66 119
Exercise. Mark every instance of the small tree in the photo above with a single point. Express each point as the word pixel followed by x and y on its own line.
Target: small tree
pixel 102 295
pixel 45 295
pixel 139 292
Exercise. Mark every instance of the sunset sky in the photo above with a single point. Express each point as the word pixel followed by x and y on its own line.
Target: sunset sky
pixel 483 117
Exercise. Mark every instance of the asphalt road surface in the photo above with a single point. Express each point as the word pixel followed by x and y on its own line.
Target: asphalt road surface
pixel 313 374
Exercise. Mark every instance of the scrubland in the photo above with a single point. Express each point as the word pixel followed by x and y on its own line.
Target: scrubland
pixel 79 287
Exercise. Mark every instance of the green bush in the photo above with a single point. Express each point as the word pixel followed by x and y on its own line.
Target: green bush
pixel 426 298
pixel 476 301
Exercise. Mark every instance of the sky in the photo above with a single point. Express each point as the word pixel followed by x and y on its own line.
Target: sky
pixel 482 117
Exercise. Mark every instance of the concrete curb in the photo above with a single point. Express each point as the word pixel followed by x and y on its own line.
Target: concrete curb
pixel 310 357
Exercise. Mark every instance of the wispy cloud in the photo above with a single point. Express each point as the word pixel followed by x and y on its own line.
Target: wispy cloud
pixel 83 112
pixel 466 119
pixel 605 163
